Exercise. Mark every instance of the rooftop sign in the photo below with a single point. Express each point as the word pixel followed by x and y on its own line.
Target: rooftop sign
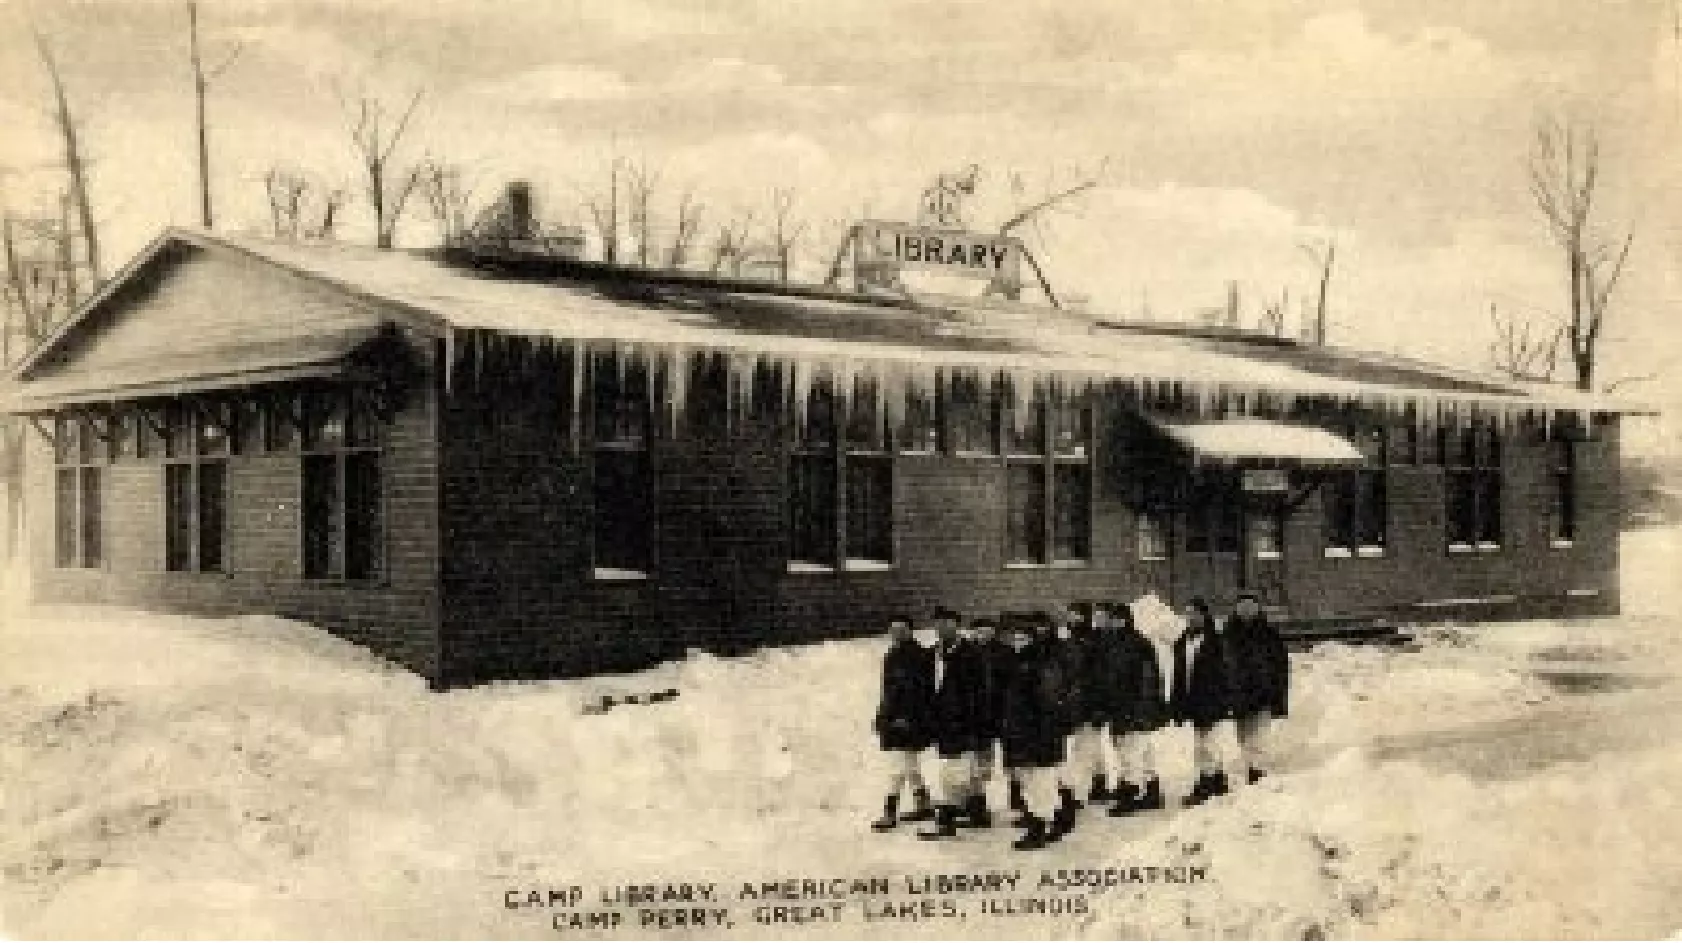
pixel 956 252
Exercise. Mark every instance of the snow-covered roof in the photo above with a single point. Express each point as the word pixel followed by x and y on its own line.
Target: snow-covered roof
pixel 1237 440
pixel 827 331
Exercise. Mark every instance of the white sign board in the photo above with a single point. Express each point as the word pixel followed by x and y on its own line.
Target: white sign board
pixel 980 255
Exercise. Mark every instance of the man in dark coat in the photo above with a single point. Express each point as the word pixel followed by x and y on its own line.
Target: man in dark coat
pixel 1136 705
pixel 902 721
pixel 995 654
pixel 1262 688
pixel 1088 650
pixel 957 719
pixel 1203 694
pixel 1069 641
pixel 1033 726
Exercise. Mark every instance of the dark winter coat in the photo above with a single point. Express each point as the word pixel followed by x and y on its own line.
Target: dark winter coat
pixel 1263 667
pixel 961 705
pixel 1089 684
pixel 903 717
pixel 1203 680
pixel 1071 655
pixel 1132 680
pixel 996 657
pixel 1034 722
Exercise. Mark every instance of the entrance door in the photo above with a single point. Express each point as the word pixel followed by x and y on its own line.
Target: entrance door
pixel 1210 561
pixel 1263 562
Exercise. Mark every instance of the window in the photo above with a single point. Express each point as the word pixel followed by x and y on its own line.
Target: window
pixel 919 427
pixel 344 505
pixel 1212 514
pixel 195 445
pixel 1357 502
pixel 972 415
pixel 621 478
pixel 841 486
pixel 78 503
pixel 1562 517
pixel 1152 533
pixel 1047 439
pixel 1473 488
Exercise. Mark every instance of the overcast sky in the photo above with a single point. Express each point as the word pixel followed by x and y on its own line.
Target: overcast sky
pixel 1229 132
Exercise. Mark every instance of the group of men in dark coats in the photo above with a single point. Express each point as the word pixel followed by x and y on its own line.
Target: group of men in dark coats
pixel 1041 693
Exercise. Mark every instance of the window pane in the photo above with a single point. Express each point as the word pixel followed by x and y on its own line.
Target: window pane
pixel 1071 425
pixel 178 516
pixel 1340 510
pixel 64 517
pixel 212 433
pixel 866 428
pixel 213 504
pixel 1026 520
pixel 321 515
pixel 919 429
pixel 92 510
pixel 178 431
pixel 1489 507
pixel 1462 507
pixel 364 517
pixel 812 506
pixel 970 415
pixel 623 496
pixel 1267 535
pixel 619 397
pixel 1372 509
pixel 1152 536
pixel 325 417
pixel 1024 419
pixel 818 426
pixel 870 495
pixel 1564 517
pixel 707 408
pixel 1072 524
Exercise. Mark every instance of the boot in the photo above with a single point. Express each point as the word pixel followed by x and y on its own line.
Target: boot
pixel 1128 797
pixel 1017 802
pixel 1219 785
pixel 1069 801
pixel 945 824
pixel 1256 775
pixel 890 815
pixel 1202 791
pixel 1151 800
pixel 923 811
pixel 976 814
pixel 1062 823
pixel 1100 790
pixel 1033 835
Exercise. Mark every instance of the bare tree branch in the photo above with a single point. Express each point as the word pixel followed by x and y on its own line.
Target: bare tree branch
pixel 1051 201
pixel 74 165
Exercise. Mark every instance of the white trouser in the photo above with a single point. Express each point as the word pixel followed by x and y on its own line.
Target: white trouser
pixel 1039 790
pixel 1255 739
pixel 957 778
pixel 904 766
pixel 1205 751
pixel 1085 756
pixel 1135 756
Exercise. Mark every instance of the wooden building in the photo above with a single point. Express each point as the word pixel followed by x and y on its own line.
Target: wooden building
pixel 486 468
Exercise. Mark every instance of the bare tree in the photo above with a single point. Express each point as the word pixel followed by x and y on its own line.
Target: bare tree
pixel 1519 352
pixel 685 227
pixel 375 133
pixel 1324 254
pixel 604 211
pixel 202 80
pixel 300 207
pixel 641 182
pixel 449 197
pixel 786 231
pixel 1564 180
pixel 730 245
pixel 75 166
pixel 1053 200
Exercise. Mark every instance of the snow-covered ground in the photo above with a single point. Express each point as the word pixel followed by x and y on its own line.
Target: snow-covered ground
pixel 252 777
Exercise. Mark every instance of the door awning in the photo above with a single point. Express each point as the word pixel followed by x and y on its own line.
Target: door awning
pixel 1261 442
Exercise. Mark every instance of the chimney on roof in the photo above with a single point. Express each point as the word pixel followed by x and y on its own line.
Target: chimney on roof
pixel 517 202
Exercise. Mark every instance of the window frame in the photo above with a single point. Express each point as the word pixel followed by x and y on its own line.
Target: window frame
pixel 1053 404
pixel 1473 470
pixel 339 453
pixel 637 419
pixel 835 447
pixel 1564 510
pixel 1356 501
pixel 80 455
pixel 182 447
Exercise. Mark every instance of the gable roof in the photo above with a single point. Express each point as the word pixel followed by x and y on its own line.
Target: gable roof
pixel 591 302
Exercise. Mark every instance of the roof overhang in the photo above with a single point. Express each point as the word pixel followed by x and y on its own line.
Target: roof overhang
pixel 1260 442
